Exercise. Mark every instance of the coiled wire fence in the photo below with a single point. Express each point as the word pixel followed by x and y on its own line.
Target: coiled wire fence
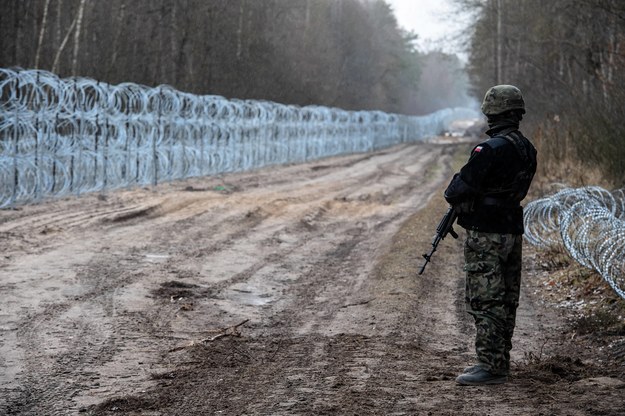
pixel 589 223
pixel 70 136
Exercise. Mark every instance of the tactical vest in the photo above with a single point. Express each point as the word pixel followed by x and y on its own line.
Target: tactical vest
pixel 518 188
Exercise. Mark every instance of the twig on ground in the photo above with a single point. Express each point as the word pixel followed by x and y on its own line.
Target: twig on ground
pixel 364 302
pixel 231 331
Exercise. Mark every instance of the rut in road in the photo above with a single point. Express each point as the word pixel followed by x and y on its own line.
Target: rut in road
pixel 97 289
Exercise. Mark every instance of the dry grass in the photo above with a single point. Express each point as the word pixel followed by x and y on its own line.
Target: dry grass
pixel 559 161
pixel 595 307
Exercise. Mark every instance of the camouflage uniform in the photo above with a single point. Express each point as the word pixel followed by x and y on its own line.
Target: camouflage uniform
pixel 487 193
pixel 493 280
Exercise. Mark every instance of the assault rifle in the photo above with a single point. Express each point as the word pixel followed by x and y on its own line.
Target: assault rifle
pixel 444 227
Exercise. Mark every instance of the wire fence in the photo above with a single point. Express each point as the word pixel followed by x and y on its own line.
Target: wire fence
pixel 589 223
pixel 70 136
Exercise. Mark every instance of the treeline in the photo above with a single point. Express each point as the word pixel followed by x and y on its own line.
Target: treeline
pixel 568 58
pixel 342 53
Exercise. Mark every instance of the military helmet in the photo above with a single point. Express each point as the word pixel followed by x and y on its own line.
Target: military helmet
pixel 502 98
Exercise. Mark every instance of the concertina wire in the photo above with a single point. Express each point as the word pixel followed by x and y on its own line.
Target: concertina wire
pixel 589 223
pixel 76 135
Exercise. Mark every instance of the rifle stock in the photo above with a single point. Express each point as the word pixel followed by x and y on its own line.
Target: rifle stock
pixel 445 226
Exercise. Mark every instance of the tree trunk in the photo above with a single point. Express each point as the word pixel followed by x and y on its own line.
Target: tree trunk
pixel 499 43
pixel 17 15
pixel 41 33
pixel 58 35
pixel 57 57
pixel 79 16
pixel 240 30
pixel 120 24
pixel 174 46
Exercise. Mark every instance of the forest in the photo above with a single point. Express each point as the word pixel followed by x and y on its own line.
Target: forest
pixel 349 54
pixel 568 58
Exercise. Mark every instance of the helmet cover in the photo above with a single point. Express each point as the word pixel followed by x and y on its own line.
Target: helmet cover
pixel 502 98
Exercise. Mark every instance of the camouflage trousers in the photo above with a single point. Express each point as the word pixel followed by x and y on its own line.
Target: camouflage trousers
pixel 493 282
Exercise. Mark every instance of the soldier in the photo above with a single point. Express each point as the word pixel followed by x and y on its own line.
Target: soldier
pixel 487 193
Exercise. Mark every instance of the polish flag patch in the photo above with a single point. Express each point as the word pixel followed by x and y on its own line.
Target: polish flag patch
pixel 478 149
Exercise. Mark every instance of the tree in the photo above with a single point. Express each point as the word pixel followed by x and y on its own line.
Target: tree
pixel 568 61
pixel 344 53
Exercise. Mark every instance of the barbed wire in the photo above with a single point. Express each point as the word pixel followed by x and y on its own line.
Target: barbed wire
pixel 589 223
pixel 75 135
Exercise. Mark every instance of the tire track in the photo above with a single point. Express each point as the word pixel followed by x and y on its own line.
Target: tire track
pixel 289 248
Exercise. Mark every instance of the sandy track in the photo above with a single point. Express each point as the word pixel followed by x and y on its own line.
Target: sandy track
pixel 105 299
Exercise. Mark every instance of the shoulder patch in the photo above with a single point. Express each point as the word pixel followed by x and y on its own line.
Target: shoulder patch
pixel 478 149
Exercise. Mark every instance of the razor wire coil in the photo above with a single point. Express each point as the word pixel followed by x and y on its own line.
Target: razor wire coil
pixel 75 135
pixel 589 223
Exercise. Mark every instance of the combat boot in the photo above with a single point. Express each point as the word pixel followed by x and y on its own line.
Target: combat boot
pixel 471 369
pixel 480 377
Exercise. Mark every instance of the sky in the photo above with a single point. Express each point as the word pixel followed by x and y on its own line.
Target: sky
pixel 430 19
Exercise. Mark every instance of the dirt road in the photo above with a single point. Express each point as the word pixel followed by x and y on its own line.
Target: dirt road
pixel 287 291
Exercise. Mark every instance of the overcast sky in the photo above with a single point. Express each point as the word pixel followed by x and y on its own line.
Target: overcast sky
pixel 430 19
